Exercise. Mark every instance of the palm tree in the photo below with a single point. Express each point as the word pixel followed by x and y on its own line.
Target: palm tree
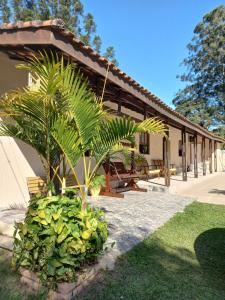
pixel 30 113
pixel 62 119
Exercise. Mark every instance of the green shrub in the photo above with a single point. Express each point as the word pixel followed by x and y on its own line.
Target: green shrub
pixel 57 238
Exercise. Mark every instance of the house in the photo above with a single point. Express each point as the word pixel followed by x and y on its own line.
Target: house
pixel 189 145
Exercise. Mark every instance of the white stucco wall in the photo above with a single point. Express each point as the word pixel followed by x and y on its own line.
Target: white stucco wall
pixel 175 137
pixel 17 160
pixel 220 158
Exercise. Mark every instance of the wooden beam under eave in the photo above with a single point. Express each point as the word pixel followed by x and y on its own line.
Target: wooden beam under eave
pixel 127 104
pixel 115 113
pixel 119 109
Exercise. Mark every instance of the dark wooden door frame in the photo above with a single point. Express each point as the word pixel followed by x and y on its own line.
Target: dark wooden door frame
pixel 203 156
pixel 215 156
pixel 210 157
pixel 184 154
pixel 166 159
pixel 196 155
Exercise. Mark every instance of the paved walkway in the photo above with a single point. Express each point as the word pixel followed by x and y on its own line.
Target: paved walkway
pixel 135 217
pixel 209 188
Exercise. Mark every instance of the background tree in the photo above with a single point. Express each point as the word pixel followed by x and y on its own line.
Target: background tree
pixel 4 11
pixel 97 42
pixel 43 9
pixel 71 12
pixel 203 98
pixel 89 29
pixel 110 55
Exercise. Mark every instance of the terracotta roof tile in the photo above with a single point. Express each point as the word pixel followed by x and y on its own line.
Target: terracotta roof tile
pixel 36 23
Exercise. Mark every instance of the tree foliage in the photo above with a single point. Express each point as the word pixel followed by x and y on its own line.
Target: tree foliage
pixel 203 98
pixel 71 12
pixel 4 11
pixel 110 54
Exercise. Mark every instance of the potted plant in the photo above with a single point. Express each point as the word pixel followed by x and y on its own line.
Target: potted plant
pixel 139 160
pixel 97 183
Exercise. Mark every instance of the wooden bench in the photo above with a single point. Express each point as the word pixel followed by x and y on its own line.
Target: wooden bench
pixel 159 163
pixel 116 171
pixel 37 185
pixel 148 171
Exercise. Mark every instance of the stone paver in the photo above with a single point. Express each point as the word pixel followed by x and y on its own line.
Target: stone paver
pixel 135 217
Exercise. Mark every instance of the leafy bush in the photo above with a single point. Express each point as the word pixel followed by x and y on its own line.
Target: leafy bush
pixel 57 238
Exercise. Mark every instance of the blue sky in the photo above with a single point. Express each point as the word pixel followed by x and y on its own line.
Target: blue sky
pixel 150 37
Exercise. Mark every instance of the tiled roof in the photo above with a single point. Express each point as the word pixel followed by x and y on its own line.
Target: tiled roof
pixel 36 23
pixel 59 25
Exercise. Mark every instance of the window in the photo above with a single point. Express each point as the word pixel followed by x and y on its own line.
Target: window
pixel 180 148
pixel 144 143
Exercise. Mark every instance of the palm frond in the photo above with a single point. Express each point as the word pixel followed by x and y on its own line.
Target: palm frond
pixel 151 125
pixel 111 134
pixel 68 140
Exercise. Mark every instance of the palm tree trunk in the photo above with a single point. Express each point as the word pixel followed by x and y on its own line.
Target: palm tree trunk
pixel 84 198
pixel 63 185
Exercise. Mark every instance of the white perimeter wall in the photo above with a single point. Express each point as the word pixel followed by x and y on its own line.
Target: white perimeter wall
pixel 17 160
pixel 220 158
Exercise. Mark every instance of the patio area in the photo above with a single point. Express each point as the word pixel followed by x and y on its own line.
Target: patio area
pixel 209 188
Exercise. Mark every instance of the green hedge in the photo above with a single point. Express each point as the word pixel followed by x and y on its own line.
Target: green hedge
pixel 57 238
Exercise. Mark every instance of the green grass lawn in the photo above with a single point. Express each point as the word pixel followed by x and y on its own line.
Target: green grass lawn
pixel 185 259
pixel 10 287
